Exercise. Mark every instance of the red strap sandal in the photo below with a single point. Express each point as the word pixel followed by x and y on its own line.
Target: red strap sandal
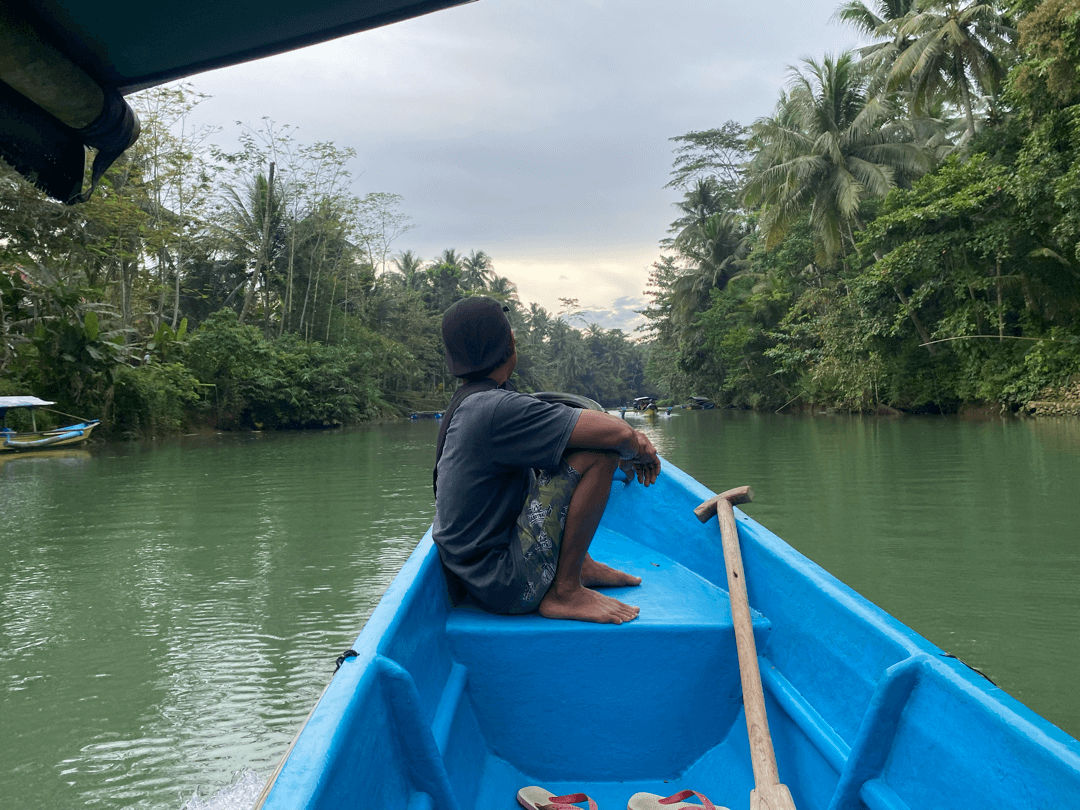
pixel 537 798
pixel 676 801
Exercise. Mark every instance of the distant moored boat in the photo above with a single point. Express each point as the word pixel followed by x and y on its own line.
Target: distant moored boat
pixel 19 438
pixel 425 415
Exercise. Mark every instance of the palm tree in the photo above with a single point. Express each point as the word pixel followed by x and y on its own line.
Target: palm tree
pixel 956 50
pixel 476 270
pixel 410 266
pixel 539 321
pixel 503 289
pixel 444 276
pixel 704 199
pixel 829 147
pixel 254 224
pixel 718 255
pixel 877 20
pixel 719 250
pixel 881 22
pixel 450 258
pixel 927 119
pixel 568 356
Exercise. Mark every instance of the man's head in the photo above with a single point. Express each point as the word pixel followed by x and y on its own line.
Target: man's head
pixel 477 337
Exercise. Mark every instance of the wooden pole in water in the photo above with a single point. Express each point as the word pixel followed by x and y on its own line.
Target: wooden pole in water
pixel 768 792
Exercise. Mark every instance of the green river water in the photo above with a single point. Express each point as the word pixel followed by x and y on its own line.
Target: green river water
pixel 169 613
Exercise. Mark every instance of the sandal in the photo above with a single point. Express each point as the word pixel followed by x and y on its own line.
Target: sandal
pixel 536 798
pixel 652 801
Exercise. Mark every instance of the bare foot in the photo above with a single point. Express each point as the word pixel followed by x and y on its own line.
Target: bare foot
pixel 597 575
pixel 585 605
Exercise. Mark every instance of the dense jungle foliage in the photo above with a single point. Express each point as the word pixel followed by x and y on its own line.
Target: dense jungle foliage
pixel 903 231
pixel 248 290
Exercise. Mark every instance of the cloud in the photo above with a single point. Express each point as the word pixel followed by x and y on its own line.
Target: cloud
pixel 537 132
pixel 596 275
pixel 624 313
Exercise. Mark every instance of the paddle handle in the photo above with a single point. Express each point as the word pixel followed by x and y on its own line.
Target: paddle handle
pixel 762 756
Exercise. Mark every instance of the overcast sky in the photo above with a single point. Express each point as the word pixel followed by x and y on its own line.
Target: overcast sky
pixel 535 130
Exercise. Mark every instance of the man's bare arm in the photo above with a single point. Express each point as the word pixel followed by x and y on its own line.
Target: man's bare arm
pixel 601 431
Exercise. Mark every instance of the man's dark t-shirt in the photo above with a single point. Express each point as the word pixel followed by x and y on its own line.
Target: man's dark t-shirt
pixel 494 441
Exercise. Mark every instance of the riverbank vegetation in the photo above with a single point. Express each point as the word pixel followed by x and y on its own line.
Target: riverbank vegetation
pixel 902 232
pixel 250 289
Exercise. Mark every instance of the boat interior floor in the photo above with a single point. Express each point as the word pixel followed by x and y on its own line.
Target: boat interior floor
pixel 668 701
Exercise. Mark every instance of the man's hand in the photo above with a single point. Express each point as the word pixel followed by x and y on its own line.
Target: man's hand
pixel 596 430
pixel 644 464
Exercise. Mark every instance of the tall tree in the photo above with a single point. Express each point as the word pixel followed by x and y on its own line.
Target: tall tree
pixel 720 154
pixel 253 224
pixel 955 49
pixel 717 253
pixel 476 270
pixel 880 21
pixel 411 268
pixel 701 201
pixel 828 149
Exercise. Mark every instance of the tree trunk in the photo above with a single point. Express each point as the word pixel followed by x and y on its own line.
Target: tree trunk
pixel 1000 305
pixel 345 320
pixel 160 315
pixel 286 315
pixel 126 282
pixel 307 292
pixel 923 334
pixel 176 270
pixel 264 247
pixel 330 310
pixel 5 351
pixel 179 245
pixel 965 97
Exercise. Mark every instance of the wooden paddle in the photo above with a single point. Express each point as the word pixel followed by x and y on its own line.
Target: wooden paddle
pixel 768 792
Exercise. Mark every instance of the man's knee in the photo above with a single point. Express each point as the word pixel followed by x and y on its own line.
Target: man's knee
pixel 600 461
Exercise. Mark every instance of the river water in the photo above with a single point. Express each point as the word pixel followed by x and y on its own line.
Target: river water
pixel 169 613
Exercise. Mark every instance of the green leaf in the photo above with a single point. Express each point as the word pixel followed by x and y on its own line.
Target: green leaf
pixel 91 326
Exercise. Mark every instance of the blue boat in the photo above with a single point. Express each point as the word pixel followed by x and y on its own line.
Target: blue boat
pixel 415 415
pixel 456 709
pixel 20 439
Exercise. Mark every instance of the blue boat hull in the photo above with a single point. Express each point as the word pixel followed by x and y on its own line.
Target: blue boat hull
pixel 40 440
pixel 456 709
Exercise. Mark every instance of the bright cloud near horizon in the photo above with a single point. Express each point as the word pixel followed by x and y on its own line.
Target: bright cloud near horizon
pixel 534 130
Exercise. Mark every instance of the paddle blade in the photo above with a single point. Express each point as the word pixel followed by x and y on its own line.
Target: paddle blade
pixel 771 797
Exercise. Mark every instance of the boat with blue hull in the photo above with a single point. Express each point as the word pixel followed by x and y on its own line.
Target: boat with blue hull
pixel 20 439
pixel 454 708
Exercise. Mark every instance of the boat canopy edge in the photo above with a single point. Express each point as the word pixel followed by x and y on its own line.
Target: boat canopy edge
pixel 23 402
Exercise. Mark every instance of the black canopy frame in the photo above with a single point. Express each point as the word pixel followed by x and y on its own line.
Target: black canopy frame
pixel 65 66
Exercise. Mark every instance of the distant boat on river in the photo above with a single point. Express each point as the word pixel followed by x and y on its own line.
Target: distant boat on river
pixel 425 415
pixel 18 438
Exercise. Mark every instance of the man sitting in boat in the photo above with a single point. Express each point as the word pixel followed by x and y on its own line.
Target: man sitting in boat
pixel 522 483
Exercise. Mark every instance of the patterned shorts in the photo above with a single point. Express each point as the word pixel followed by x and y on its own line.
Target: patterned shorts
pixel 538 534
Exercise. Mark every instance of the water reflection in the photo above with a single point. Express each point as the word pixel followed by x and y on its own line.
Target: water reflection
pixel 169 614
